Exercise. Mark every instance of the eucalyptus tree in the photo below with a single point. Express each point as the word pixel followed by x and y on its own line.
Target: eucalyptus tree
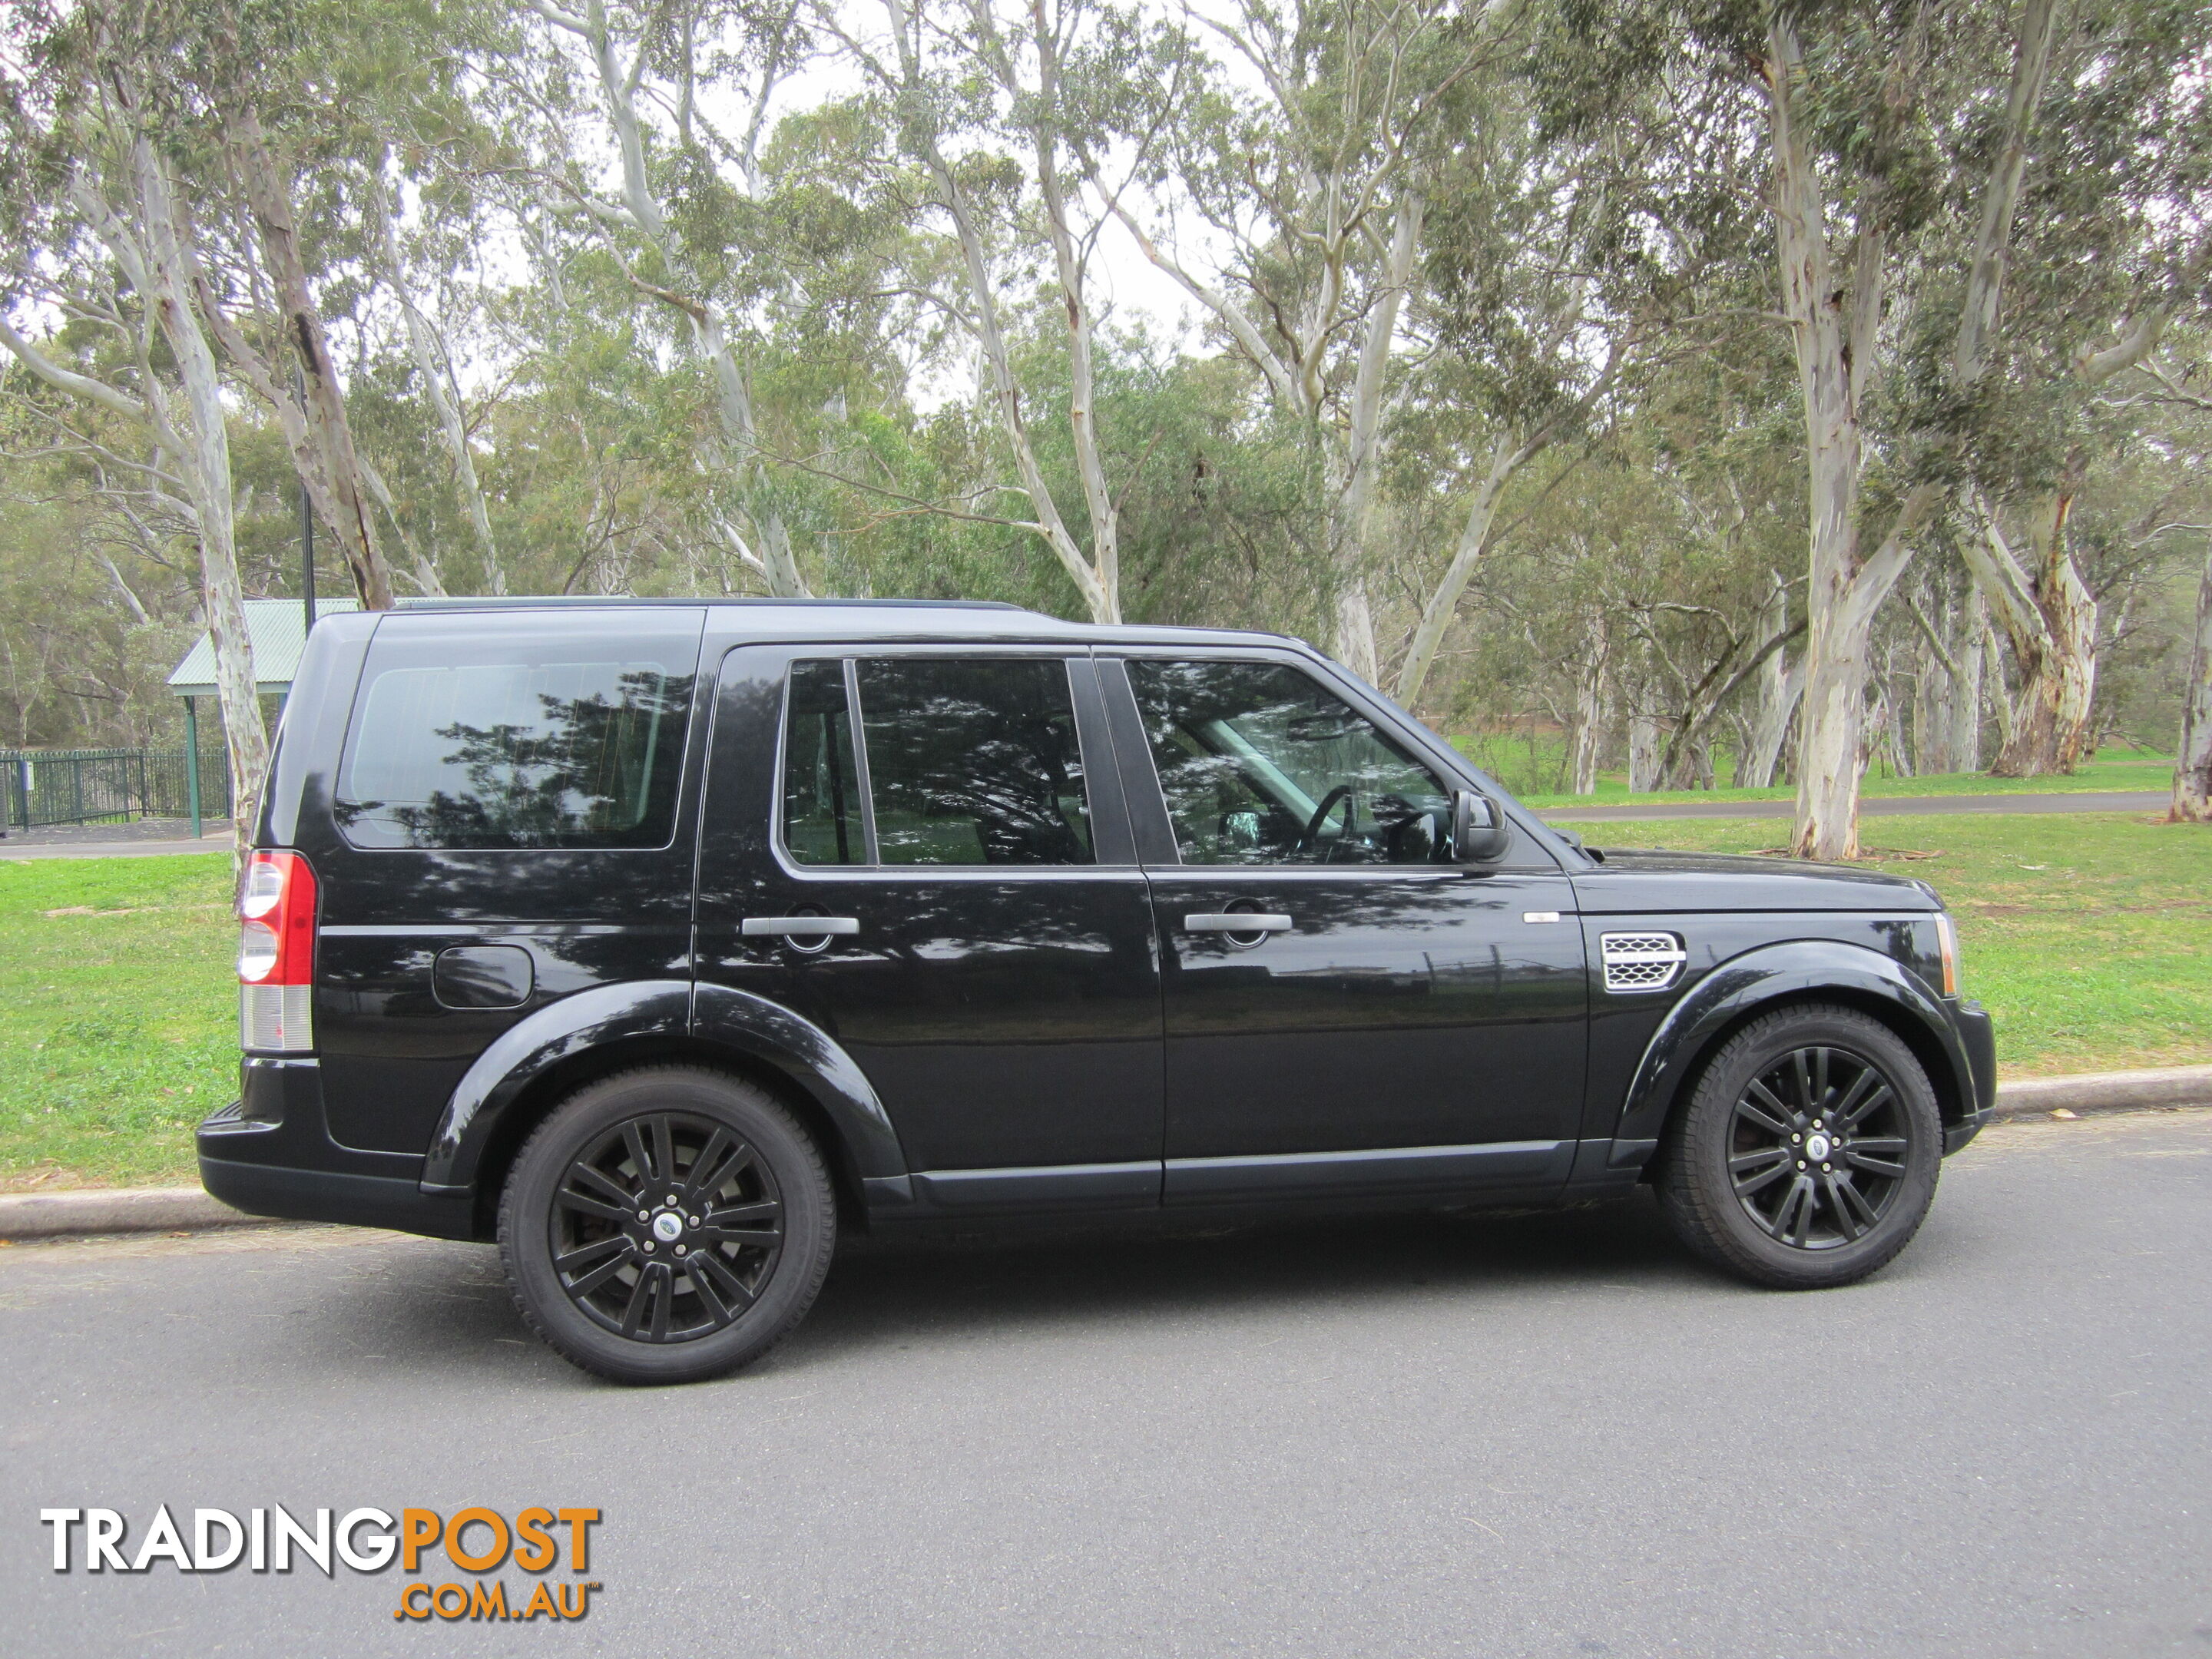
pixel 1314 185
pixel 94 239
pixel 996 118
pixel 1860 211
pixel 2112 246
pixel 656 79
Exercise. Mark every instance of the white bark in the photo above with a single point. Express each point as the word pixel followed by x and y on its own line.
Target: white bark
pixel 1836 317
pixel 206 444
pixel 196 437
pixel 1329 208
pixel 1105 562
pixel 1593 709
pixel 1644 748
pixel 1507 456
pixel 1780 683
pixel 2192 777
pixel 2049 619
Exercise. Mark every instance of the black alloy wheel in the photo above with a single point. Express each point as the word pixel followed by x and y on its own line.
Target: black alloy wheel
pixel 666 1224
pixel 1806 1153
pixel 666 1227
pixel 1817 1144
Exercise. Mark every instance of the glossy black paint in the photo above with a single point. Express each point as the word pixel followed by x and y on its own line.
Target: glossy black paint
pixel 483 976
pixel 1025 1041
pixel 1006 1016
pixel 394 1051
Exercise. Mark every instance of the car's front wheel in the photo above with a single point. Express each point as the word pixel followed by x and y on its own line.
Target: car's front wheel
pixel 1806 1154
pixel 666 1224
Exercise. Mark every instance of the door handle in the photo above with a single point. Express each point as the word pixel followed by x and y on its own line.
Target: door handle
pixel 781 926
pixel 1239 921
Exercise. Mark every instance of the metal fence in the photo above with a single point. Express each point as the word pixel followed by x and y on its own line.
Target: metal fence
pixel 106 786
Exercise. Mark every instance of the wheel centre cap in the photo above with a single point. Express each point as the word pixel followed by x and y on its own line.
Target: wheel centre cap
pixel 668 1226
pixel 1817 1148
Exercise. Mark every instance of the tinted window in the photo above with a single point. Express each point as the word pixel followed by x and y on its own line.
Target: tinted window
pixel 1261 765
pixel 518 738
pixel 822 822
pixel 973 762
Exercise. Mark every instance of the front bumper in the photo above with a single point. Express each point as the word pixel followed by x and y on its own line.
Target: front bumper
pixel 271 1153
pixel 1978 1099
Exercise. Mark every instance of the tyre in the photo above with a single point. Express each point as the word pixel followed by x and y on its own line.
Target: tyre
pixel 1806 1154
pixel 666 1224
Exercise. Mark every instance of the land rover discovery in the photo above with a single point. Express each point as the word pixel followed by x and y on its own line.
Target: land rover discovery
pixel 661 942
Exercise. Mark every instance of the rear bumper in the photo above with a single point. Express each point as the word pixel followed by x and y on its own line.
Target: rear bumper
pixel 356 1200
pixel 271 1154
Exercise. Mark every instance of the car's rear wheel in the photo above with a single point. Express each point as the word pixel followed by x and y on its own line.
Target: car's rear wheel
pixel 1808 1152
pixel 667 1226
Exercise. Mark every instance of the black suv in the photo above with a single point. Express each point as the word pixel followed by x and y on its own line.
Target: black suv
pixel 661 940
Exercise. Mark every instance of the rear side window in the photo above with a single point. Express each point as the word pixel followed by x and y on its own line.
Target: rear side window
pixel 821 819
pixel 545 734
pixel 965 761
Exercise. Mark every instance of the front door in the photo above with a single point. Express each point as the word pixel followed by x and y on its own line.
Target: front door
pixel 952 814
pixel 1388 1019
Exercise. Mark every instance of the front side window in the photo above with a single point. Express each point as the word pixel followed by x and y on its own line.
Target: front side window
pixel 967 761
pixel 571 751
pixel 1260 765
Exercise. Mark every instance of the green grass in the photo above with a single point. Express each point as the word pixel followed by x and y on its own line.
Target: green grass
pixel 119 1032
pixel 1527 773
pixel 2088 934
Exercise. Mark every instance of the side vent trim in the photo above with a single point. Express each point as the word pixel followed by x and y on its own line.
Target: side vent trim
pixel 1642 961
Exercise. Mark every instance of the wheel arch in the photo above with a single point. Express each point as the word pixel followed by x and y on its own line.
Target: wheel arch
pixel 536 1064
pixel 1775 977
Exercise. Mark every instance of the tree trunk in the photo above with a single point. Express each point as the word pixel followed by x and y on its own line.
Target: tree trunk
pixel 1966 737
pixel 2049 619
pixel 246 735
pixel 429 363
pixel 1593 710
pixel 270 195
pixel 1642 753
pixel 740 445
pixel 1069 266
pixel 2193 776
pixel 1507 456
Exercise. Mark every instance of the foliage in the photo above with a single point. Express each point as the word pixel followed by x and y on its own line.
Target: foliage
pixel 1481 363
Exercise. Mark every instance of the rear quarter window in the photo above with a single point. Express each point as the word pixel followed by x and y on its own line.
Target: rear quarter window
pixel 545 734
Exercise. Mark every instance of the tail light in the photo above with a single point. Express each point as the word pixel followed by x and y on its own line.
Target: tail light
pixel 277 954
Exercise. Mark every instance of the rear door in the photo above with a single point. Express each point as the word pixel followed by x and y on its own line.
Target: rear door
pixel 510 824
pixel 1390 1019
pixel 953 814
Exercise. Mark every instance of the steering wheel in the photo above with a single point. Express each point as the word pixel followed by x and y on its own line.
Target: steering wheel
pixel 1311 838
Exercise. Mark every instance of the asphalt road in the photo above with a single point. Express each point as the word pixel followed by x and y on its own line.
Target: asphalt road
pixel 1876 807
pixel 1545 1435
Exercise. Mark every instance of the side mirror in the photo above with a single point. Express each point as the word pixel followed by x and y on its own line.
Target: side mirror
pixel 1479 832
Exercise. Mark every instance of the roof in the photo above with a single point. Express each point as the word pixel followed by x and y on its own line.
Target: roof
pixel 279 631
pixel 275 625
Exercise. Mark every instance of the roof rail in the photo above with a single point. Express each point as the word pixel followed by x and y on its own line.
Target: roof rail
pixel 526 602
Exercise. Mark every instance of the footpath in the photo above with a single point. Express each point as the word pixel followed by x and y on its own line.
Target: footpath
pixel 186 1209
